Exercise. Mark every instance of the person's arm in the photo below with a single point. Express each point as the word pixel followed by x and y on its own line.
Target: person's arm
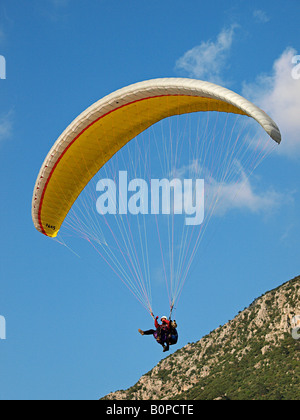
pixel 156 322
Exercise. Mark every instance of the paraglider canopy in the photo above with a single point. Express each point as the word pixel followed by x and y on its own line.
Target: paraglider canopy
pixel 189 141
pixel 104 128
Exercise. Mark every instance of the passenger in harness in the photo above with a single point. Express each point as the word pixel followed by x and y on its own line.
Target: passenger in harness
pixel 173 335
pixel 165 333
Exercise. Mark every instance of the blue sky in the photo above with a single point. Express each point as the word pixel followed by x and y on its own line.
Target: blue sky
pixel 71 335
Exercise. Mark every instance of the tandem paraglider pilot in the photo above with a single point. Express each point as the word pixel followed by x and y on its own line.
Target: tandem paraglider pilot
pixel 165 333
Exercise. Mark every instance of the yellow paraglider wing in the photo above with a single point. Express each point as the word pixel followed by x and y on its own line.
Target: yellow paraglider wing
pixel 104 128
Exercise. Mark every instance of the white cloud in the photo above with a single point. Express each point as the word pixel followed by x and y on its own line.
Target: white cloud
pixel 239 194
pixel 261 16
pixel 208 60
pixel 243 195
pixel 5 126
pixel 278 94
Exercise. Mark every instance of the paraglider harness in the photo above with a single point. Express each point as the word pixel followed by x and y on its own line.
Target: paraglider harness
pixel 171 337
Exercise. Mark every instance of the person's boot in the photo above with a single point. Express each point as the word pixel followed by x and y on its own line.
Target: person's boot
pixel 141 332
pixel 166 348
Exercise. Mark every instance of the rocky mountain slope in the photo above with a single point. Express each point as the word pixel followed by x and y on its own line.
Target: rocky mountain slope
pixel 254 356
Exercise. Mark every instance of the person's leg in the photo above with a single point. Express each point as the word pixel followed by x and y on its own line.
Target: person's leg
pixel 149 332
pixel 166 347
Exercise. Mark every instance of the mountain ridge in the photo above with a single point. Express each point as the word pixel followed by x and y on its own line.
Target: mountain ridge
pixel 253 356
